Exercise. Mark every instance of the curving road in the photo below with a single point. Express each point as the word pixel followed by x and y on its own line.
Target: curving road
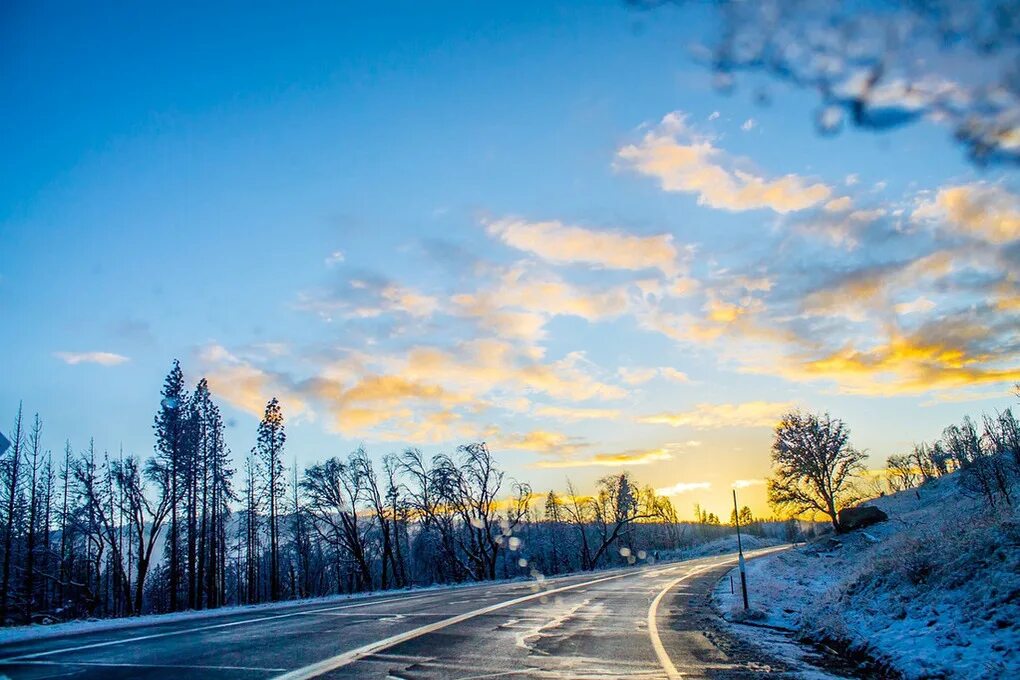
pixel 650 622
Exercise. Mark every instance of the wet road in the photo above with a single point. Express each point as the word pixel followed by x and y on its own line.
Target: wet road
pixel 650 622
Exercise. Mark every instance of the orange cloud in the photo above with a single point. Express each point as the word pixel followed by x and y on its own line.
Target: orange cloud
pixel 980 210
pixel 539 441
pixel 683 161
pixel 706 416
pixel 571 413
pixel 907 364
pixel 623 459
pixel 246 386
pixel 561 243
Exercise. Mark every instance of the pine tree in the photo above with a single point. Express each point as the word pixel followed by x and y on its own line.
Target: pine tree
pixel 170 425
pixel 269 449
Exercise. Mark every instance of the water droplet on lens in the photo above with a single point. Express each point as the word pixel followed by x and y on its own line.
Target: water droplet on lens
pixel 829 120
pixel 722 82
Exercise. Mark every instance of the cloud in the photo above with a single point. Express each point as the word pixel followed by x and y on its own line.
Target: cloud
pixel 744 483
pixel 684 161
pixel 335 258
pixel 561 243
pixel 749 125
pixel 841 204
pixel 638 376
pixel 483 365
pixel 368 297
pixel 101 358
pixel 522 299
pixel 860 292
pixel 247 386
pixel 707 416
pixel 682 488
pixel 980 210
pixel 946 355
pixel 917 305
pixel 572 413
pixel 539 441
pixel 424 391
pixel 623 459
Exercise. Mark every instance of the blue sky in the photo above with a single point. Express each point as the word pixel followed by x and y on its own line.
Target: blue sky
pixel 533 223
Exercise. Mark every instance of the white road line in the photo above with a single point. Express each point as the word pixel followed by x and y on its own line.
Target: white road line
pixel 653 628
pixel 340 660
pixel 104 664
pixel 229 624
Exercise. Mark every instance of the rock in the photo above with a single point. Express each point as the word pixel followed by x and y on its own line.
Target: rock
pixel 863 516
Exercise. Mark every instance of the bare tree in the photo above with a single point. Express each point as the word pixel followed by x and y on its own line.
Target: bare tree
pixel 578 509
pixel 814 465
pixel 362 466
pixel 903 472
pixel 11 480
pixel 334 489
pixel 145 517
pixel 616 505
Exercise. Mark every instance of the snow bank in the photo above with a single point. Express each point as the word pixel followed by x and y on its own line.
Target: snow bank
pixel 720 546
pixel 933 592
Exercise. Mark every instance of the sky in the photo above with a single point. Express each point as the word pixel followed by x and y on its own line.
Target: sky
pixel 536 225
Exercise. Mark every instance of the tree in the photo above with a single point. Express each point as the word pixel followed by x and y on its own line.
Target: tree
pixel 362 465
pixel 12 477
pixel 472 489
pixel 616 507
pixel 334 489
pixel 814 465
pixel 171 432
pixel 35 463
pixel 253 505
pixel 269 450
pixel 903 472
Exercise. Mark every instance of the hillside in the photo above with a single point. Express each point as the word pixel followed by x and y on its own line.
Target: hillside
pixel 932 592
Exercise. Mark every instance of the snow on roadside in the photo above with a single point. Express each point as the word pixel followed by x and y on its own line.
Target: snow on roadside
pixel 724 545
pixel 932 592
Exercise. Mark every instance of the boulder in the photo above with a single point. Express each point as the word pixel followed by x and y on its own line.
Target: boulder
pixel 859 517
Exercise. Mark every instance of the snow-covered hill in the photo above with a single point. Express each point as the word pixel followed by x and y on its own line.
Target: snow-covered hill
pixel 932 592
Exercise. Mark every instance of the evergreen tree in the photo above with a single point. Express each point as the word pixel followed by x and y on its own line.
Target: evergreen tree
pixel 269 450
pixel 171 433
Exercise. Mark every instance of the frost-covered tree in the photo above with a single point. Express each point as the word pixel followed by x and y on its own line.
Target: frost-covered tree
pixel 813 465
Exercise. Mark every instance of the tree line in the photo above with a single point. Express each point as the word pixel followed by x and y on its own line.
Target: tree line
pixel 86 533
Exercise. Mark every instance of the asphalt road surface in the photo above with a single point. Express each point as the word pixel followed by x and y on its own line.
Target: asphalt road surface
pixel 648 622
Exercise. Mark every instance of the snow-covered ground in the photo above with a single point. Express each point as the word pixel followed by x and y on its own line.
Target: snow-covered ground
pixel 934 592
pixel 719 546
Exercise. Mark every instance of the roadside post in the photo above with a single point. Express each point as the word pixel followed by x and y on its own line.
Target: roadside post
pixel 740 551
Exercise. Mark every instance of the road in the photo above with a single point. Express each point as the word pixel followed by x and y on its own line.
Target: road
pixel 648 622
